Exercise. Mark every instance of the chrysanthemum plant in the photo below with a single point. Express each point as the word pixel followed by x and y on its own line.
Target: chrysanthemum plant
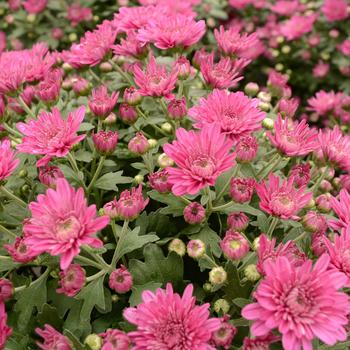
pixel 152 197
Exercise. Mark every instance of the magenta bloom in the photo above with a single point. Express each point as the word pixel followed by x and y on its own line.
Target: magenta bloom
pixel 293 138
pixel 237 221
pixel 246 149
pixel 286 8
pixel 241 190
pixel 166 320
pixel 281 199
pixel 335 147
pixel 167 32
pixel 61 222
pixel 339 252
pixel 20 252
pixel 53 339
pixel 49 89
pixel 105 141
pixel 159 181
pixel 114 339
pixel 231 43
pixel 35 6
pixel 76 14
pixel 341 208
pixel 120 280
pixel 155 81
pixel 51 135
pixel 222 75
pixel 324 102
pixel 101 104
pixel 5 330
pixel 48 175
pixel 303 303
pixel 71 280
pixel 234 245
pixel 335 10
pixel 224 335
pixel 297 26
pixel 130 46
pixel 8 163
pixel 200 156
pixel 138 144
pixel 6 290
pixel 194 213
pixel 236 113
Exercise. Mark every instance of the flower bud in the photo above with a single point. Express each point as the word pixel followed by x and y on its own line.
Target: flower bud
pixel 48 175
pixel 177 246
pixel 221 306
pixel 223 337
pixel 121 280
pixel 110 119
pixel 72 280
pixel 268 123
pixel 81 86
pixel 208 287
pixel 195 248
pixel 234 245
pixel 246 149
pixel 105 67
pixel 314 222
pixel 152 143
pixel 323 203
pixel 138 144
pixel 93 341
pixel 183 67
pixel 132 96
pixel 241 190
pixel 194 213
pixel 6 290
pixel 165 161
pixel 111 209
pixel 326 186
pixel 251 273
pixel 217 275
pixel 138 179
pixel 318 246
pixel 237 221
pixel 251 89
pixel 159 181
pixel 105 141
pixel 264 96
pixel 177 109
pixel 167 127
pixel 127 113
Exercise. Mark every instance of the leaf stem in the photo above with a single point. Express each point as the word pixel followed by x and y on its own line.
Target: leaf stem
pixel 97 174
pixel 12 196
pixel 272 227
pixel 119 243
pixel 224 189
pixel 7 231
pixel 25 107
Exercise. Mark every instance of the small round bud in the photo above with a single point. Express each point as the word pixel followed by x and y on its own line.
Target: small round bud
pixel 195 248
pixel 31 18
pixel 268 123
pixel 237 221
pixel 234 245
pixel 280 39
pixel 325 56
pixel 177 109
pixel 164 161
pixel 152 143
pixel 194 213
pixel 286 49
pixel 314 222
pixel 221 306
pixel 183 67
pixel 251 273
pixel 96 18
pixel 138 179
pixel 251 89
pixel 105 141
pixel 110 119
pixel 6 290
pixel 264 96
pixel 311 204
pixel 279 67
pixel 105 67
pixel 121 280
pixel 255 244
pixel 217 275
pixel 208 287
pixel 72 37
pixel 138 144
pixel 166 127
pixel 323 203
pixel 93 341
pixel 177 246
pixel 127 113
pixel 23 173
pixel 264 106
pixel 132 96
pixel 115 298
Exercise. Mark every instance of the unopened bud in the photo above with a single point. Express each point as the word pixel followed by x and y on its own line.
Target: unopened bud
pixel 177 246
pixel 251 273
pixel 221 306
pixel 217 275
pixel 93 341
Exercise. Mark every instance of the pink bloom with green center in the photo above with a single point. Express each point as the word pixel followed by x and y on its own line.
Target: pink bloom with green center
pixel 200 156
pixel 293 138
pixel 53 339
pixel 236 113
pixel 167 32
pixel 303 303
pixel 234 245
pixel 281 199
pixel 61 222
pixel 155 80
pixel 166 321
pixel 8 163
pixel 51 135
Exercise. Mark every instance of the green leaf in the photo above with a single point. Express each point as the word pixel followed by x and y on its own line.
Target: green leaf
pixel 34 296
pixel 135 297
pixel 156 267
pixel 49 315
pixel 93 294
pixel 6 264
pixel 75 341
pixel 133 241
pixel 241 302
pixel 108 181
pixel 86 126
pixel 83 156
pixel 175 206
pixel 245 208
pixel 210 238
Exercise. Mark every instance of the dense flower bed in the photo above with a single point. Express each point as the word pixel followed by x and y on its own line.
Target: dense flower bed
pixel 174 175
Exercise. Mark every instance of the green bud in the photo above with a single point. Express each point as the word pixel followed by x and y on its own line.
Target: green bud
pixel 268 123
pixel 31 18
pixel 152 143
pixel 166 127
pixel 177 246
pixel 72 37
pixel 251 273
pixel 138 179
pixel 221 306
pixel 217 275
pixel 23 173
pixel 93 341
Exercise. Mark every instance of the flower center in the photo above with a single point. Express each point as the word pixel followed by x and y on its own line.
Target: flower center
pixel 283 204
pixel 173 335
pixel 68 228
pixel 203 166
pixel 235 244
pixel 299 301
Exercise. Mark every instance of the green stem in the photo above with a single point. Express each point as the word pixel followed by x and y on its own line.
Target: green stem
pixel 96 77
pixel 320 179
pixel 121 72
pixel 210 203
pixel 97 174
pixel 300 237
pixel 75 168
pixel 208 258
pixel 96 257
pixel 7 231
pixel 25 107
pixel 88 262
pixel 119 243
pixel 272 227
pixel 181 89
pixel 224 189
pixel 11 130
pixel 20 288
pixel 12 196
pixel 156 127
pixel 185 200
pixel 221 207
pixel 164 107
pixel 96 275
pixel 270 166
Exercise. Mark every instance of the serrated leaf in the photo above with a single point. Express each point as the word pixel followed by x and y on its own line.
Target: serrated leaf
pixel 175 206
pixel 6 264
pixel 135 297
pixel 49 315
pixel 210 238
pixel 75 341
pixel 241 302
pixel 109 181
pixel 86 126
pixel 245 208
pixel 83 156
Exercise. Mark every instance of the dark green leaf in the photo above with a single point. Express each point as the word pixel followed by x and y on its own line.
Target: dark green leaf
pixel 109 181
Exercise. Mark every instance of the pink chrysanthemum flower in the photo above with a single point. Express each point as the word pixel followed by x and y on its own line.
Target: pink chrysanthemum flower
pixel 101 104
pixel 339 252
pixel 53 339
pixel 20 252
pixel 344 47
pixel 76 14
pixel 335 147
pixel 71 280
pixel 324 102
pixel 8 163
pixel 166 320
pixel 259 343
pixel 302 303
pixel 105 141
pixel 234 245
pixel 281 199
pixel 130 46
pixel 120 280
pixel 200 156
pixel 194 213
pixel 293 138
pixel 321 69
pixel 231 42
pixel 297 26
pixel 35 6
pixel 155 80
pixel 286 8
pixel 61 222
pixel 114 339
pixel 51 135
pixel 222 75
pixel 49 89
pixel 335 10
pixel 5 330
pixel 236 113
pixel 341 208
pixel 246 149
pixel 167 32
pixel 48 175
pixel 223 337
pixel 267 251
pixel 159 181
